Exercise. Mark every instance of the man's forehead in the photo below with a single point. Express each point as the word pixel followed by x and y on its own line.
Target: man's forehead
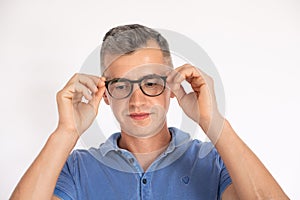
pixel 138 57
pixel 140 62
pixel 136 72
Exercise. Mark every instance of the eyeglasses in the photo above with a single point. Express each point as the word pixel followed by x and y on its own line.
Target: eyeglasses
pixel 151 85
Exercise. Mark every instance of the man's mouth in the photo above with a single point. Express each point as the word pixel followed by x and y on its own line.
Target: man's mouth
pixel 139 116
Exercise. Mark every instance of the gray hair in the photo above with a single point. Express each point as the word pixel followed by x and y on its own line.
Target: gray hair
pixel 128 38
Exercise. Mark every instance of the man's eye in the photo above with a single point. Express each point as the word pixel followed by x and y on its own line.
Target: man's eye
pixel 121 87
pixel 150 84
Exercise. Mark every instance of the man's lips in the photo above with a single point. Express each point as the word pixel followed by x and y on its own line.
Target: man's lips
pixel 139 116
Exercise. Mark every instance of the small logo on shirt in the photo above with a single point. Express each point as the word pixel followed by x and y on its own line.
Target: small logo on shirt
pixel 185 179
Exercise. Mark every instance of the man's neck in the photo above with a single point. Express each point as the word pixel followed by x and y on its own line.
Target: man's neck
pixel 145 145
pixel 146 150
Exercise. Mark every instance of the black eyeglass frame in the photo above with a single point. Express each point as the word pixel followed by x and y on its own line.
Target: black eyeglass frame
pixel 139 81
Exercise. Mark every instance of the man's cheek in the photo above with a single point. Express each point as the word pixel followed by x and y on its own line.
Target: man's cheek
pixel 117 111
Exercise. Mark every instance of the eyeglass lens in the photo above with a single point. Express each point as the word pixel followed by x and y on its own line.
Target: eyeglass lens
pixel 150 86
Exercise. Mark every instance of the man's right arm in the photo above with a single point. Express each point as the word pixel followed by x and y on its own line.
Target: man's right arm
pixel 75 117
pixel 40 179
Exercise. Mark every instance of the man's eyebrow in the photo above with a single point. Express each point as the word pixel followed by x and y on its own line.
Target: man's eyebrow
pixel 126 78
pixel 113 79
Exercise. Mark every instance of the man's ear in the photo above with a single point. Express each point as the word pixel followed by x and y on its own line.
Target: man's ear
pixel 105 98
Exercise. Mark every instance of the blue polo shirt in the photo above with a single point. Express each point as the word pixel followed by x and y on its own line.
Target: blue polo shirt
pixel 187 169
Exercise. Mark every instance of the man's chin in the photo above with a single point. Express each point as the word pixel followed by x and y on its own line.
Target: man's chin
pixel 139 131
pixel 143 124
pixel 142 128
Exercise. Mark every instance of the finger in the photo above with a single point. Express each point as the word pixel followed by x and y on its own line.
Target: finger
pixel 89 81
pixel 179 94
pixel 81 90
pixel 192 73
pixel 188 72
pixel 175 87
pixel 96 79
pixel 184 73
pixel 85 79
pixel 174 77
pixel 99 94
pixel 194 76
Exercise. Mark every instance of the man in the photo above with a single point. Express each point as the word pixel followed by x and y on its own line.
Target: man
pixel 146 160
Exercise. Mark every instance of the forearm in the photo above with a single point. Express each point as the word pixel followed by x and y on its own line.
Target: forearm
pixel 40 179
pixel 250 177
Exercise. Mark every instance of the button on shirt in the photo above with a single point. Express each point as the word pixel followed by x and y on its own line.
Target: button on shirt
pixel 188 169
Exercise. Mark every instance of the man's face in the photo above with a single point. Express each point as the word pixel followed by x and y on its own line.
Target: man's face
pixel 138 114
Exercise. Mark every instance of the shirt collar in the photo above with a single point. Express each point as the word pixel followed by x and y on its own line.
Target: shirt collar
pixel 178 138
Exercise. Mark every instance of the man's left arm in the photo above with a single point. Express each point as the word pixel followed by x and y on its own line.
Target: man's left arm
pixel 250 178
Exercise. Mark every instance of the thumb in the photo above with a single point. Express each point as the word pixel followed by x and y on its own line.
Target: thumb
pixel 179 94
pixel 98 95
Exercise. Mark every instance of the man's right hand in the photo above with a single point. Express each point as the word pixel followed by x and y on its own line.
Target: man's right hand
pixel 75 116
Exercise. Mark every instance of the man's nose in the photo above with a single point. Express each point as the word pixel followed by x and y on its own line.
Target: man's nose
pixel 137 97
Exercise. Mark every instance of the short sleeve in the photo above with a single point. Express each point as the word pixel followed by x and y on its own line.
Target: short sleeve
pixel 65 186
pixel 225 179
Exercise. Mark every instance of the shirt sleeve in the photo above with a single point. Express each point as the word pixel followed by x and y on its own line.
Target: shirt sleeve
pixel 65 186
pixel 225 179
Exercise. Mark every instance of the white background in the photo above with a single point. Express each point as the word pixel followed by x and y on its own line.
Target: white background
pixel 254 44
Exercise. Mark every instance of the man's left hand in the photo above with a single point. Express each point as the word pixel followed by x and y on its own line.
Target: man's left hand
pixel 200 104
